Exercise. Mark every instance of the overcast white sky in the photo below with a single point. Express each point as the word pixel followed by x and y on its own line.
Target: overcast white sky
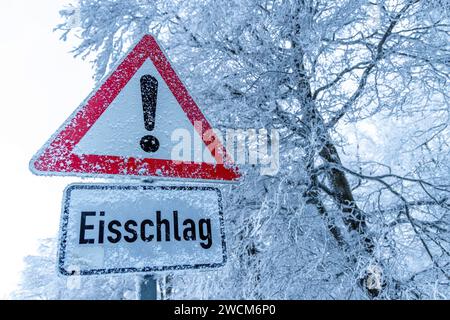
pixel 40 85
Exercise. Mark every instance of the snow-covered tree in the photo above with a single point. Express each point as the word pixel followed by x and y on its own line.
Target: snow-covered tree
pixel 358 90
pixel 40 281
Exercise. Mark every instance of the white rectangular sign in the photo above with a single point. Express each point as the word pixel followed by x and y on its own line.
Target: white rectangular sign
pixel 140 228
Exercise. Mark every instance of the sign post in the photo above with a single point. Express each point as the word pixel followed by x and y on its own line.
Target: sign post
pixel 148 289
pixel 126 128
pixel 148 285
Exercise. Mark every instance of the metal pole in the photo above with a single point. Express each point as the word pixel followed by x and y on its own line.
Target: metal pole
pixel 148 288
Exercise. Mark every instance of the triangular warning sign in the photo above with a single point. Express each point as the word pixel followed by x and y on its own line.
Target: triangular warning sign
pixel 131 125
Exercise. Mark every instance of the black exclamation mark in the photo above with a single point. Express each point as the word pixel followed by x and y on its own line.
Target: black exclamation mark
pixel 149 91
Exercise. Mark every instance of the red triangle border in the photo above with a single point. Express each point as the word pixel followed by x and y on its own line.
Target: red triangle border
pixel 57 157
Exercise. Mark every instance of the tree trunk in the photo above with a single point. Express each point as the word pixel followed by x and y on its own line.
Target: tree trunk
pixel 320 141
pixel 354 218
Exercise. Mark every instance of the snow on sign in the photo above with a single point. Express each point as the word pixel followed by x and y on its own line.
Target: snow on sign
pixel 140 228
pixel 126 126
